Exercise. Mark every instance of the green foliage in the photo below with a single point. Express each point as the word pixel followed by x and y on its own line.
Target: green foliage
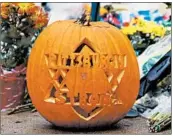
pixel 17 36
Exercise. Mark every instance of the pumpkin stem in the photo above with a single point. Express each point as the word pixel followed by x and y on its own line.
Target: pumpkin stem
pixel 84 19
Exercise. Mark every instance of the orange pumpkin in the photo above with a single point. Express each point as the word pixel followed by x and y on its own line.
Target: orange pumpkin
pixel 82 76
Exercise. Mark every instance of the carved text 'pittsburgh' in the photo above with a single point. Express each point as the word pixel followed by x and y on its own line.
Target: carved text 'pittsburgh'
pixel 56 61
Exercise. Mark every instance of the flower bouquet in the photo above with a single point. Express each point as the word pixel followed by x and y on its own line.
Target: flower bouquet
pixel 20 24
pixel 143 33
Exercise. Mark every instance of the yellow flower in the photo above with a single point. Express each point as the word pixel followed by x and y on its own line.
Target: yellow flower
pixel 5 9
pixel 24 7
pixel 4 13
pixel 129 30
pixel 159 31
pixel 152 36
pixel 140 28
pixel 147 29
pixel 5 5
pixel 140 22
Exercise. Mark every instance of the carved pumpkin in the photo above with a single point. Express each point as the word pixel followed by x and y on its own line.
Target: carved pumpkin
pixel 82 76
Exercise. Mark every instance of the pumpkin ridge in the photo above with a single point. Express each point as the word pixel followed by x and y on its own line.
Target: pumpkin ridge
pixel 105 41
pixel 112 41
pixel 69 45
pixel 62 38
pixel 77 37
pixel 118 44
pixel 97 40
pixel 54 39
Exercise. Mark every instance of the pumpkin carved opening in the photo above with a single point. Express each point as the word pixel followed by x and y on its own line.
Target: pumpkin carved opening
pixel 67 98
pixel 84 48
pixel 85 114
pixel 79 48
pixel 52 93
pixel 60 79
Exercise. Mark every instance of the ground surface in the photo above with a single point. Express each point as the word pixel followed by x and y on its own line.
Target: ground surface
pixel 33 123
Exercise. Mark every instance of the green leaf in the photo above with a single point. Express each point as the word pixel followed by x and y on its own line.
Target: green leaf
pixel 26 41
pixel 13 33
pixel 11 63
pixel 4 38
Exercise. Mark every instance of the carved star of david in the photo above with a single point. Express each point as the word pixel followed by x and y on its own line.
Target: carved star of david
pixel 87 89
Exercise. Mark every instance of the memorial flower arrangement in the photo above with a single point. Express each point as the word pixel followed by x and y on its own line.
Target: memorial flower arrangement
pixel 20 25
pixel 143 33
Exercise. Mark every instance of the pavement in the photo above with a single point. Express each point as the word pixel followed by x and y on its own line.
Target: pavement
pixel 33 123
